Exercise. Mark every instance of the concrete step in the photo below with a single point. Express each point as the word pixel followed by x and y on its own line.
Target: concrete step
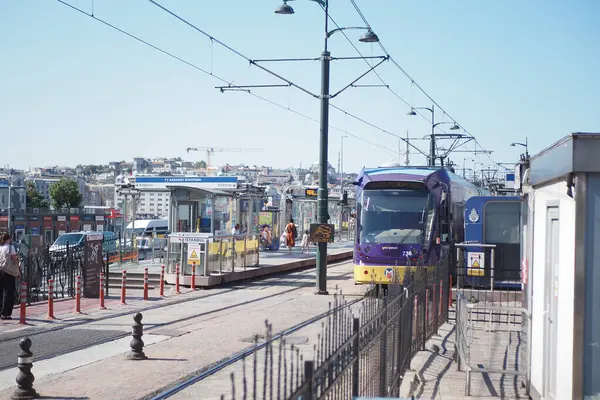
pixel 134 280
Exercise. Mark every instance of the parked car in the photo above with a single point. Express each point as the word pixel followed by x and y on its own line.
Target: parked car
pixel 75 241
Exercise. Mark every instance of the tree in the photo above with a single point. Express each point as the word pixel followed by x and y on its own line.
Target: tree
pixel 202 164
pixel 35 198
pixel 65 193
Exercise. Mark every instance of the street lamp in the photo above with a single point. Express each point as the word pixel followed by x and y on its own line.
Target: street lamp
pixel 513 144
pixel 322 193
pixel 454 127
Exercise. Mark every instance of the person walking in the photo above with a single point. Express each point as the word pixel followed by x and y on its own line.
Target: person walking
pixel 9 272
pixel 292 233
pixel 304 243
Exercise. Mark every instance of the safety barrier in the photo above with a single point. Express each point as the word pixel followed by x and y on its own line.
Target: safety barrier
pixel 499 330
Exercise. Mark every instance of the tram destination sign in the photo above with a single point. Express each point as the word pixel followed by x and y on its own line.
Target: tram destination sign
pixel 322 233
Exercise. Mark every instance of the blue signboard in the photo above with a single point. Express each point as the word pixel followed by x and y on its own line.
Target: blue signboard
pixel 206 182
pixel 3 183
pixel 510 177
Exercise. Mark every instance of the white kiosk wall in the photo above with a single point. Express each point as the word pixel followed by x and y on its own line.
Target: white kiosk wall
pixel 553 279
pixel 591 353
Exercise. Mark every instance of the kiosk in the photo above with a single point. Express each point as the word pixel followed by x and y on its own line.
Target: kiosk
pixel 561 267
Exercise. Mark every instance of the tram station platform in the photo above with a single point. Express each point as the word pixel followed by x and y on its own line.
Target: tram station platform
pixel 270 263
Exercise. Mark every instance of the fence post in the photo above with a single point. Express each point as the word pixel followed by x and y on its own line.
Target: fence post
pixel 233 254
pixel 308 377
pixel 383 350
pixel 177 281
pixel 50 299
pixel 355 356
pixel 424 319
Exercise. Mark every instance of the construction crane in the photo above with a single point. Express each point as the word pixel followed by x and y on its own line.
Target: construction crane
pixel 211 150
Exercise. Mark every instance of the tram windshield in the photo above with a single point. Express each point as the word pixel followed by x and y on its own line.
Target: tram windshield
pixel 395 215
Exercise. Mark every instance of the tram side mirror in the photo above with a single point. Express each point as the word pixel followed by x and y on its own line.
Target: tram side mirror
pixel 444 196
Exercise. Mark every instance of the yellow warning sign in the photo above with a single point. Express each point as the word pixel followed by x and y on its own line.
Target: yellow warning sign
pixel 476 266
pixel 193 254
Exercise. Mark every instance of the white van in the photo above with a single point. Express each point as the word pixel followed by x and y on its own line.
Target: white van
pixel 148 227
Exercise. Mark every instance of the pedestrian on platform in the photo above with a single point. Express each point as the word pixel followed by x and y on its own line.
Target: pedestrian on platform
pixel 292 233
pixel 9 272
pixel 304 243
pixel 236 230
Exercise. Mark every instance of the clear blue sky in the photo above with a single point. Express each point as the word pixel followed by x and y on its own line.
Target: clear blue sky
pixel 75 91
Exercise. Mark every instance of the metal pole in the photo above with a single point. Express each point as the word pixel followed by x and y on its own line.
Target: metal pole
pixel 9 204
pixel 432 139
pixel 322 194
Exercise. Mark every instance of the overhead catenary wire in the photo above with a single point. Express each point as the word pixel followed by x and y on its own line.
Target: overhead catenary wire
pixel 223 80
pixel 413 82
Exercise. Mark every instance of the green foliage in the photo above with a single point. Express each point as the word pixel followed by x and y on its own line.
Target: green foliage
pixel 92 169
pixel 65 193
pixel 35 198
pixel 202 165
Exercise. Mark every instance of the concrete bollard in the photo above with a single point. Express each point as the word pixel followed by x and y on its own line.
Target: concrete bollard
pixel 25 378
pixel 137 344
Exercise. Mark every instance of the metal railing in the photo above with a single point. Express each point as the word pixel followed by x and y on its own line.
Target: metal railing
pixel 363 350
pixel 40 265
pixel 486 333
pixel 216 255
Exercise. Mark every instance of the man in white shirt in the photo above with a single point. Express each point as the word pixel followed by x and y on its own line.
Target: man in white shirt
pixel 236 230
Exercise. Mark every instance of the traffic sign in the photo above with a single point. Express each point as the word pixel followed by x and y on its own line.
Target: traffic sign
pixel 476 266
pixel 193 254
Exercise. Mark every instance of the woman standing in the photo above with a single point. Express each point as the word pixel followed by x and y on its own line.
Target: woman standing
pixel 9 271
pixel 290 229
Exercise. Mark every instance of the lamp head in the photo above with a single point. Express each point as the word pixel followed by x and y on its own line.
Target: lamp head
pixel 284 9
pixel 369 37
pixel 411 112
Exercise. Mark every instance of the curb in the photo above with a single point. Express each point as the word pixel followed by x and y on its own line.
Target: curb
pixel 217 280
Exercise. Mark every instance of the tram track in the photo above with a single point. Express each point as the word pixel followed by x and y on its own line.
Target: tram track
pixel 11 343
pixel 206 371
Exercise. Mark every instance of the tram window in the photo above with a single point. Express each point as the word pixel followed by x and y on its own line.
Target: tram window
pixel 502 221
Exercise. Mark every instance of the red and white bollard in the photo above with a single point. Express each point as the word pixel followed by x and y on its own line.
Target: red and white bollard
pixel 78 294
pixel 50 299
pixel 162 281
pixel 193 284
pixel 102 307
pixel 23 295
pixel 123 286
pixel 177 281
pixel 145 283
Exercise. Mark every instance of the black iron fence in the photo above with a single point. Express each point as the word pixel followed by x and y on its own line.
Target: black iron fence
pixel 360 349
pixel 61 264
